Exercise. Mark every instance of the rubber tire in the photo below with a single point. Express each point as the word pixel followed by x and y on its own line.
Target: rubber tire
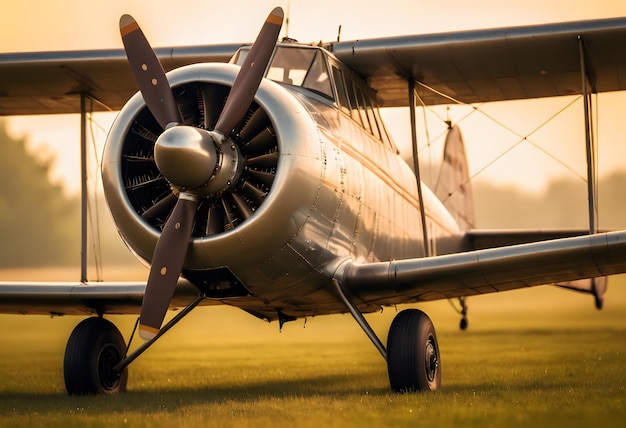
pixel 411 347
pixel 93 349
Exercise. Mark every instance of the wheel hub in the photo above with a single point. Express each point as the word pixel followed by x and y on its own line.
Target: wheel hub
pixel 431 362
pixel 109 357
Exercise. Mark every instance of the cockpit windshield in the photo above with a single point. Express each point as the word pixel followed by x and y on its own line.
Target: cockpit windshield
pixel 297 66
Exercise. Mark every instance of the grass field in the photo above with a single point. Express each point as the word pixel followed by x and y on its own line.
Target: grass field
pixel 539 357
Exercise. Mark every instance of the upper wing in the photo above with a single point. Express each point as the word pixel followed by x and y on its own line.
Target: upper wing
pixel 469 66
pixel 51 82
pixel 488 270
pixel 494 64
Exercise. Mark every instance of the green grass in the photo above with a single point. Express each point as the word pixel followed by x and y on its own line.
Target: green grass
pixel 540 357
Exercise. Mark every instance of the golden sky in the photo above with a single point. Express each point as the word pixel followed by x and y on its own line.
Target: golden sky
pixel 34 25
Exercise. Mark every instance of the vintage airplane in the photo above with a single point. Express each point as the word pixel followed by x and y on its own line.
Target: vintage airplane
pixel 270 183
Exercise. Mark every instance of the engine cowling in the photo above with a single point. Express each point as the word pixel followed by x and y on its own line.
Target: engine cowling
pixel 243 222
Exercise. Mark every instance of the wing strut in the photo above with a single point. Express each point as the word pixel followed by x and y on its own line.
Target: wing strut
pixel 587 80
pixel 597 285
pixel 85 97
pixel 83 187
pixel 416 164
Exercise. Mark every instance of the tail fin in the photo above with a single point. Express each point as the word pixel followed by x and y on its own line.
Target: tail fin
pixel 453 187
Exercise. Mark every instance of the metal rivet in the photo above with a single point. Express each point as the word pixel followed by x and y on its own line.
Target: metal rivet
pixel 163 270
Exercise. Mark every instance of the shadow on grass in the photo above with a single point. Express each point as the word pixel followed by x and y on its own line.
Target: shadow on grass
pixel 548 331
pixel 148 401
pixel 311 389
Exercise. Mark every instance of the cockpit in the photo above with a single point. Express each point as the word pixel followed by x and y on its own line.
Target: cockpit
pixel 315 69
pixel 298 66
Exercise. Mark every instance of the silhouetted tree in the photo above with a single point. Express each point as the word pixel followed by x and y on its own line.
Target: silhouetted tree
pixel 39 225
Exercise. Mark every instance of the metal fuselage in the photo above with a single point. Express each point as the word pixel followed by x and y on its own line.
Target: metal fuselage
pixel 339 193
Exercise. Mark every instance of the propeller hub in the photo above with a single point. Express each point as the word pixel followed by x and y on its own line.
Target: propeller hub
pixel 230 166
pixel 186 156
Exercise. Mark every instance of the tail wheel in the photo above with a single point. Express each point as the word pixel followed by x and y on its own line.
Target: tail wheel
pixel 93 349
pixel 413 358
pixel 200 104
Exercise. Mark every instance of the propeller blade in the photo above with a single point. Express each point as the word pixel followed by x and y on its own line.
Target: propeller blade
pixel 249 77
pixel 148 73
pixel 167 263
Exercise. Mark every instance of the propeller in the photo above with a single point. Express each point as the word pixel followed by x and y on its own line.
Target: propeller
pixel 252 71
pixel 148 73
pixel 188 157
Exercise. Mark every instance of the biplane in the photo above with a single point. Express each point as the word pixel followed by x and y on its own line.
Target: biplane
pixel 262 176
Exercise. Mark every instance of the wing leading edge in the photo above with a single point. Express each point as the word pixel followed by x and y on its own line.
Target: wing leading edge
pixel 77 298
pixel 488 270
pixel 51 82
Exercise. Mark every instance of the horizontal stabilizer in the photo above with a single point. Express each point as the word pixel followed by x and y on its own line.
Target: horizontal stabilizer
pixel 596 286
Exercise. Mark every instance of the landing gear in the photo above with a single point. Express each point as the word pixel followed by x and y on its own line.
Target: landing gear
pixel 413 359
pixel 94 348
pixel 412 353
pixel 464 321
pixel 462 311
pixel 95 356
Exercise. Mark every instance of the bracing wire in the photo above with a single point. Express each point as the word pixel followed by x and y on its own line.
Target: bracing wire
pixel 442 134
pixel 522 138
pixel 525 138
pixel 458 121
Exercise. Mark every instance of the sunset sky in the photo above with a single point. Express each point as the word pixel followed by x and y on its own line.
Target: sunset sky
pixel 33 25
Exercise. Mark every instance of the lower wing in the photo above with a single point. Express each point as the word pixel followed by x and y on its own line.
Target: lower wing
pixel 488 270
pixel 77 298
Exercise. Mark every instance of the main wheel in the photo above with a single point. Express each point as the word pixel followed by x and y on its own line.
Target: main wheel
pixel 413 358
pixel 93 349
